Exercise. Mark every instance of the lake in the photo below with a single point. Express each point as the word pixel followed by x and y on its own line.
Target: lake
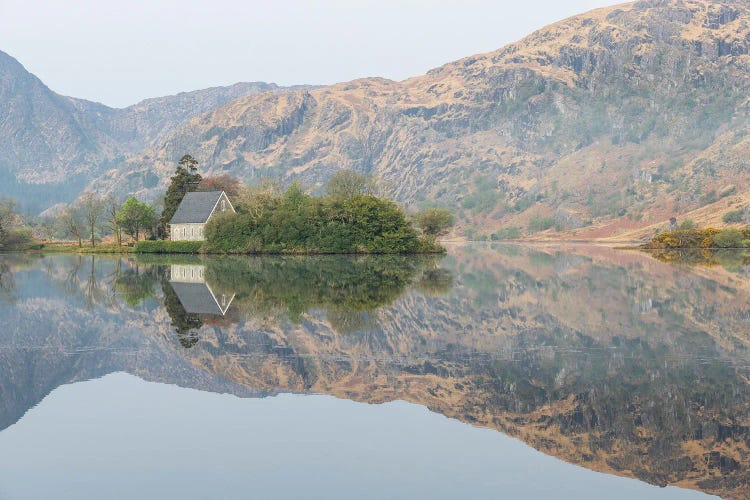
pixel 496 371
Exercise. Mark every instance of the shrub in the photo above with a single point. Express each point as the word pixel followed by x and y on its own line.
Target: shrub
pixel 729 238
pixel 734 217
pixel 506 233
pixel 687 224
pixel 163 246
pixel 686 238
pixel 435 221
pixel 538 223
pixel 17 239
pixel 402 241
pixel 302 224
pixel 709 197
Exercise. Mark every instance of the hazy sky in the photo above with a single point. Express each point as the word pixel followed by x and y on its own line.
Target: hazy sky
pixel 119 52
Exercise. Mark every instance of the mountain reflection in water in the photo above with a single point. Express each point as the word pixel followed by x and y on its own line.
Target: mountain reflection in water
pixel 610 360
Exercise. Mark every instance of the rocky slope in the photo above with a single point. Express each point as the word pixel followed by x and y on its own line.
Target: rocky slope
pixel 52 145
pixel 608 121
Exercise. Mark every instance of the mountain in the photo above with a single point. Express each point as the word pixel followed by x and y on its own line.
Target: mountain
pixel 605 122
pixel 52 145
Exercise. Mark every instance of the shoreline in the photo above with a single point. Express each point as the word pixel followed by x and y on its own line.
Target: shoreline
pixel 131 251
pixel 619 245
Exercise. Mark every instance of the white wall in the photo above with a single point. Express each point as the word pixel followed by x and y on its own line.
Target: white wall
pixel 187 232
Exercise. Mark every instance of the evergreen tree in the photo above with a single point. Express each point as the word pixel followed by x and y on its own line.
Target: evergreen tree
pixel 185 179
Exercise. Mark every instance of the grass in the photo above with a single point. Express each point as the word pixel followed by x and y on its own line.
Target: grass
pixel 74 248
pixel 167 246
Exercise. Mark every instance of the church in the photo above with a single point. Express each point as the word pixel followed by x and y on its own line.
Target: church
pixel 195 210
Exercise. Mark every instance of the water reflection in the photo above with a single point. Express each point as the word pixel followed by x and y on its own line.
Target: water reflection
pixel 731 260
pixel 610 360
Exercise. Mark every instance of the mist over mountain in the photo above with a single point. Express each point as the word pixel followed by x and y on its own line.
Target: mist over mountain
pixel 54 145
pixel 607 123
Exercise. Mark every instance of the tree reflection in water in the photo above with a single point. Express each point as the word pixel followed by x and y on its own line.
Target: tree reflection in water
pixel 611 360
pixel 349 290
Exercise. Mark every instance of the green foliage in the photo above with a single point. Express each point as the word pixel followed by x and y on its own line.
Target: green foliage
pixel 709 197
pixel 19 238
pixel 687 224
pixel 733 217
pixel 299 223
pixel 729 238
pixel 435 221
pixel 186 178
pixel 484 197
pixel 540 223
pixel 135 216
pixel 506 233
pixel 346 184
pixel 166 246
pixel 13 234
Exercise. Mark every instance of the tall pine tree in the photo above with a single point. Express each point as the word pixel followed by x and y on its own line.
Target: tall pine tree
pixel 185 179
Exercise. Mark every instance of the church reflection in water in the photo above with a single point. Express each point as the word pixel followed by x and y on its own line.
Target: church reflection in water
pixel 614 361
pixel 196 296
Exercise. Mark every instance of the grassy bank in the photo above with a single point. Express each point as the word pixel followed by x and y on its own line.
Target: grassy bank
pixel 168 247
pixel 73 248
pixel 197 247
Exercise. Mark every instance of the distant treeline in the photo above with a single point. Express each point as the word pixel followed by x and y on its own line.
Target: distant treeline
pixel 349 218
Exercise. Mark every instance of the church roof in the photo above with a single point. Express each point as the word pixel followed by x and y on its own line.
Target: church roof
pixel 196 207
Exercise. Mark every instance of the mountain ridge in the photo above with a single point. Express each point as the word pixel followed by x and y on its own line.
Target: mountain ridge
pixel 601 122
pixel 55 143
pixel 599 125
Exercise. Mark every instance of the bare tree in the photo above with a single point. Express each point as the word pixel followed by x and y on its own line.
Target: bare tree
pixel 112 207
pixel 93 208
pixel 257 200
pixel 73 223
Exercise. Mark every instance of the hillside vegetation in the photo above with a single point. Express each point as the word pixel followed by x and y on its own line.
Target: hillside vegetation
pixel 606 124
pixel 600 124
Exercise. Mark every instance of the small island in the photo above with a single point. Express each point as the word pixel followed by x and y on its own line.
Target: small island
pixel 220 215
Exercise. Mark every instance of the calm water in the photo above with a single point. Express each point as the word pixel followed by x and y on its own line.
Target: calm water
pixel 494 372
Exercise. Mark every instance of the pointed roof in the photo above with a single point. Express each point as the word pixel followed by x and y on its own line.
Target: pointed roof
pixel 196 207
